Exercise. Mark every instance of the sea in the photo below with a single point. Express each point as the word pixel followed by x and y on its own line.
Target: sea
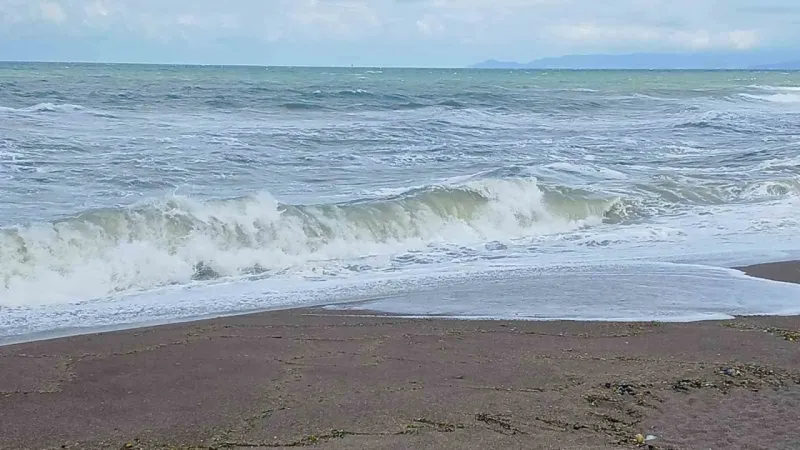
pixel 144 194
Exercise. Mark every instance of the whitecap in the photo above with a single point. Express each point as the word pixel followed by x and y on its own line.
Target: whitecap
pixel 775 98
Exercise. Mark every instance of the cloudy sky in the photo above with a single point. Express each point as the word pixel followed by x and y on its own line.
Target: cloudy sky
pixel 383 32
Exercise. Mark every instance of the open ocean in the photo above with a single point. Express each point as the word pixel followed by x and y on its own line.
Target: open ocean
pixel 133 194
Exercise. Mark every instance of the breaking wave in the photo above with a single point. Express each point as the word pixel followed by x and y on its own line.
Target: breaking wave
pixel 179 240
pixel 777 94
pixel 775 98
pixel 53 108
pixel 776 88
pixel 673 191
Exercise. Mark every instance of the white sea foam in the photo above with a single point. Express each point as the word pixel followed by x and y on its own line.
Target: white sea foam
pixel 52 107
pixel 653 291
pixel 776 88
pixel 179 240
pixel 771 189
pixel 587 169
pixel 606 290
pixel 792 162
pixel 775 98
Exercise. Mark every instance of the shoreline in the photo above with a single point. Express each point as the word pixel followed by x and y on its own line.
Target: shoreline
pixel 783 271
pixel 336 380
pixel 780 271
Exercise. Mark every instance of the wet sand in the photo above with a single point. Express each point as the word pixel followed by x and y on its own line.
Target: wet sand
pixel 312 377
pixel 787 271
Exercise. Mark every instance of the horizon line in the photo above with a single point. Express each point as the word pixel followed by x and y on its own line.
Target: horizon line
pixel 198 64
pixel 311 66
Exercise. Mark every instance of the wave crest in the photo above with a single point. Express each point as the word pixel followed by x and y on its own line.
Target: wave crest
pixel 776 88
pixel 46 107
pixel 180 240
pixel 775 98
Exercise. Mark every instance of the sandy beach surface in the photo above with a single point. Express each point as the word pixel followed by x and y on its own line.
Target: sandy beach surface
pixel 334 380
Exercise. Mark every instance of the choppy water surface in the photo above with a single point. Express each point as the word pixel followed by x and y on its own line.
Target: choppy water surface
pixel 133 194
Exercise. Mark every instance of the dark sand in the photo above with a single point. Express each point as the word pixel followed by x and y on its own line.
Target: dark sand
pixel 788 271
pixel 316 378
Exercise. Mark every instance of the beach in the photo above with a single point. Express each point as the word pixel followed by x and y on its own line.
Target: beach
pixel 357 379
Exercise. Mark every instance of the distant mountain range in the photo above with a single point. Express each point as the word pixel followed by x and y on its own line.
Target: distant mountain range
pixel 659 61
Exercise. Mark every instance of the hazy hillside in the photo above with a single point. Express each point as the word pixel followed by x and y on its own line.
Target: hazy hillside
pixel 732 60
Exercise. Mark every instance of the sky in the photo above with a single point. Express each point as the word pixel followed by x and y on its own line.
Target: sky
pixel 419 33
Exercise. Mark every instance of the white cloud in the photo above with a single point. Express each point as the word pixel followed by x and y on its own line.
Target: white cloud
pixel 334 19
pixel 699 39
pixel 466 29
pixel 744 39
pixel 429 26
pixel 594 33
pixel 52 12
pixel 187 20
pixel 95 9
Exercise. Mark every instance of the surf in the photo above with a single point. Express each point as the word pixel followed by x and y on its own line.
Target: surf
pixel 180 240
